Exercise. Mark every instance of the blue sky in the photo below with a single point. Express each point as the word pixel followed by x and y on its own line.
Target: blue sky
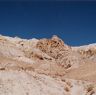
pixel 74 22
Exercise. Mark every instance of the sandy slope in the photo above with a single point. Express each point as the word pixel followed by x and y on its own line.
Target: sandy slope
pixel 84 72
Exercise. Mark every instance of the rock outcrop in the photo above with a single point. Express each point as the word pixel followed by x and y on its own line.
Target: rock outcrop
pixel 62 53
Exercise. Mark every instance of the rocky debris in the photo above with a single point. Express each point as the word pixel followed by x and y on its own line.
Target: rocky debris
pixel 87 50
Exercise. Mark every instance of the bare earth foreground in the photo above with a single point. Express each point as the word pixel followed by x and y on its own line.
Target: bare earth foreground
pixel 46 67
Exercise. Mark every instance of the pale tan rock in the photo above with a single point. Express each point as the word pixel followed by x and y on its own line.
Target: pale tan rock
pixel 46 67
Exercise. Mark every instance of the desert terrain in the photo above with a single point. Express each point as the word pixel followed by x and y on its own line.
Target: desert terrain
pixel 46 67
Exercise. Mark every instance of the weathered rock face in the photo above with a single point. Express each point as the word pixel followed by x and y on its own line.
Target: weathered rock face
pixel 53 46
pixel 46 67
pixel 30 83
pixel 61 52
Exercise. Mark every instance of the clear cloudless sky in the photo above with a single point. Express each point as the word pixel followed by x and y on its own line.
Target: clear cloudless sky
pixel 73 21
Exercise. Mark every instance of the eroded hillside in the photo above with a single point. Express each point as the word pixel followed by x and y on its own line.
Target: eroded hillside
pixel 46 67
